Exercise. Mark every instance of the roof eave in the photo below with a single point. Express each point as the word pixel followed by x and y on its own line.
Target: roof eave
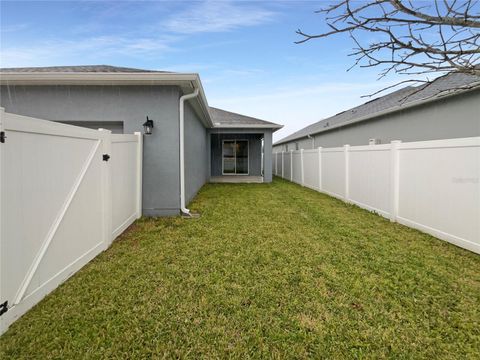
pixel 186 81
pixel 91 78
pixel 274 127
pixel 201 100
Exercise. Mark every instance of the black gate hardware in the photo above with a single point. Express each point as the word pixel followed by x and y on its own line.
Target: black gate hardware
pixel 2 137
pixel 3 308
pixel 106 157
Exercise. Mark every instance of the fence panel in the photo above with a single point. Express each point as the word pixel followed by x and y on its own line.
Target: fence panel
pixel 126 181
pixel 311 169
pixel 433 186
pixel 439 189
pixel 55 207
pixel 274 164
pixel 279 164
pixel 287 165
pixel 369 177
pixel 297 167
pixel 333 172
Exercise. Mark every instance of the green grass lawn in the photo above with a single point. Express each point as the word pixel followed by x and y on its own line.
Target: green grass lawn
pixel 268 271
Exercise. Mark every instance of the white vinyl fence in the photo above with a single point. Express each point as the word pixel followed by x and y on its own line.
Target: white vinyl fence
pixel 66 193
pixel 126 182
pixel 432 186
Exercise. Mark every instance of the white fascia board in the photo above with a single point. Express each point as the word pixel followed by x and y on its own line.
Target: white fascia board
pixel 255 126
pixel 93 78
pixel 202 100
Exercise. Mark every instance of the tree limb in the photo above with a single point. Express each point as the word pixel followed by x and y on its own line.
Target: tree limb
pixel 439 37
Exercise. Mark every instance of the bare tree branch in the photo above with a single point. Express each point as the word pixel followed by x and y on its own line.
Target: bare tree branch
pixel 441 20
pixel 440 37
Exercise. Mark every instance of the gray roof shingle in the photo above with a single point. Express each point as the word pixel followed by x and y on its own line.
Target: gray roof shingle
pixel 80 68
pixel 222 118
pixel 443 85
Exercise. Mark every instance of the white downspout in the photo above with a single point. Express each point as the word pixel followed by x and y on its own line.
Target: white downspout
pixel 183 209
pixel 313 140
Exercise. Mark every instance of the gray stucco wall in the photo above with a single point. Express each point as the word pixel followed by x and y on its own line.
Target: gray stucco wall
pixel 304 143
pixel 196 154
pixel 129 105
pixel 254 152
pixel 452 117
pixel 116 127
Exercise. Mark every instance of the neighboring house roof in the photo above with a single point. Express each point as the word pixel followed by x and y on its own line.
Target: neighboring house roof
pixel 80 69
pixel 407 97
pixel 227 119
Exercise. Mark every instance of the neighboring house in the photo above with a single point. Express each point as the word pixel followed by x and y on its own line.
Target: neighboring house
pixel 447 108
pixel 217 143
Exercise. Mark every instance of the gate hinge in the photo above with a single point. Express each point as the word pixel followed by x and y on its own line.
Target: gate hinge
pixel 3 308
pixel 106 157
pixel 2 137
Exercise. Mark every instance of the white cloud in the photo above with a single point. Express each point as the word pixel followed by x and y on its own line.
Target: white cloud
pixel 13 28
pixel 96 49
pixel 199 17
pixel 217 16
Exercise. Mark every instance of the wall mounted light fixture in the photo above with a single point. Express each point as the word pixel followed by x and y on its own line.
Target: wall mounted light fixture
pixel 148 126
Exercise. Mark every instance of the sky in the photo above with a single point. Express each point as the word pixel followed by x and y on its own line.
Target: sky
pixel 244 51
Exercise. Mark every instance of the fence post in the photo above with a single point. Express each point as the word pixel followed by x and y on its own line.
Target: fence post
pixel 3 323
pixel 291 165
pixel 301 166
pixel 139 172
pixel 346 149
pixel 320 168
pixel 276 164
pixel 394 178
pixel 283 164
pixel 106 139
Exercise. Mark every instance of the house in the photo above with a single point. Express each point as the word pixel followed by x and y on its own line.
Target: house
pixel 190 144
pixel 449 107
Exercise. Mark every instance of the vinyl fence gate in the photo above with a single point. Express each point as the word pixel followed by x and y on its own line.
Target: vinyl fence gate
pixel 66 193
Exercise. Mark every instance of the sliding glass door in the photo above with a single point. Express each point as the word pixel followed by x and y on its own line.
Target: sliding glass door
pixel 235 157
pixel 241 163
pixel 228 157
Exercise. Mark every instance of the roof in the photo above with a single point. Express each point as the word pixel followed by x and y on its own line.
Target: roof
pixel 222 119
pixel 115 75
pixel 450 84
pixel 109 75
pixel 80 69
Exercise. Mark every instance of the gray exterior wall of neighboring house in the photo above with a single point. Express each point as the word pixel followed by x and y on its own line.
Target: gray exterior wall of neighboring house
pixel 304 143
pixel 455 116
pixel 125 107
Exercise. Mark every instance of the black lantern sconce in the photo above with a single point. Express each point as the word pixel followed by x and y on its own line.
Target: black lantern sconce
pixel 148 126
